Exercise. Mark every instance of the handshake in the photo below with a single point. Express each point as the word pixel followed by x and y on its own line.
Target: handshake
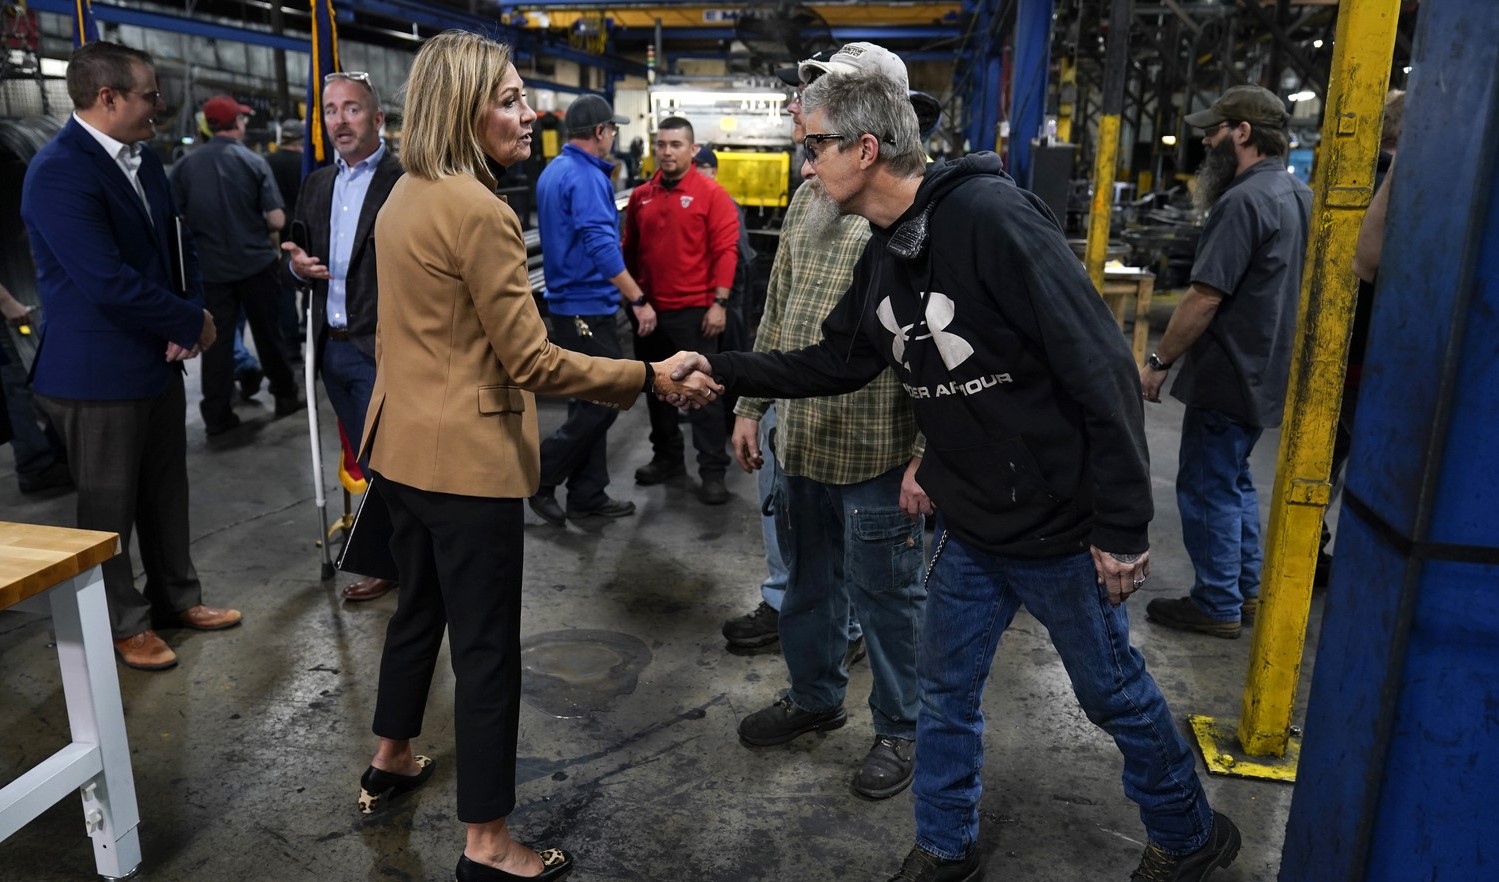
pixel 685 381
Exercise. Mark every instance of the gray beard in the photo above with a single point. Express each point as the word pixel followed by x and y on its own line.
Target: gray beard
pixel 1218 170
pixel 822 219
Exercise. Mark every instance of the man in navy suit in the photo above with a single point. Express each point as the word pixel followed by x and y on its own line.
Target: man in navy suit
pixel 124 308
pixel 337 207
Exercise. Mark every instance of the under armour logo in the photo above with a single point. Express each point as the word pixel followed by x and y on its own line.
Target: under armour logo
pixel 940 312
pixel 686 201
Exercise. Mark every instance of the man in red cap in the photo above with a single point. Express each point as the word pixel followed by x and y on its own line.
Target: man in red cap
pixel 228 197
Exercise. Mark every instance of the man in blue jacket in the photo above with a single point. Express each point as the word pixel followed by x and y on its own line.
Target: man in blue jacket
pixel 585 281
pixel 124 308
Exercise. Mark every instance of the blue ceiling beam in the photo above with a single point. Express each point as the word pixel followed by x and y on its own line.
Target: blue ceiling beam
pixel 841 35
pixel 176 24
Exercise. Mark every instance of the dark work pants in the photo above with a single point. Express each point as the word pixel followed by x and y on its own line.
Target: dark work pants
pixel 578 452
pixel 677 330
pixel 459 559
pixel 129 460
pixel 259 298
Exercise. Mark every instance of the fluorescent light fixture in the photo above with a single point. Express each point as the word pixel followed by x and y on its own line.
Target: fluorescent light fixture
pixel 1168 140
pixel 1316 44
pixel 686 97
pixel 1303 95
pixel 1407 68
pixel 1291 169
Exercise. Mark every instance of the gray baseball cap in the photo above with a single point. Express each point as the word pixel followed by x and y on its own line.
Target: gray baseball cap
pixel 588 111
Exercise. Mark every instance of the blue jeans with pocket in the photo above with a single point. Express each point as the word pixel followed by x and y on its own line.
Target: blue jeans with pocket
pixel 851 548
pixel 1220 511
pixel 972 597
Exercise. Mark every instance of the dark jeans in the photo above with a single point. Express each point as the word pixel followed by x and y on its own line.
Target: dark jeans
pixel 259 298
pixel 577 454
pixel 677 330
pixel 129 460
pixel 459 559
pixel 348 378
pixel 36 448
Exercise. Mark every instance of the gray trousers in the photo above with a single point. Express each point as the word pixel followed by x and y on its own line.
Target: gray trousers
pixel 129 461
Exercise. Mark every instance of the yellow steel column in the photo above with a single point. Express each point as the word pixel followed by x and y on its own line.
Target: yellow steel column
pixel 1342 187
pixel 1066 98
pixel 1116 62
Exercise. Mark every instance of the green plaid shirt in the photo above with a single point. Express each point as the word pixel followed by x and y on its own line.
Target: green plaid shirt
pixel 841 439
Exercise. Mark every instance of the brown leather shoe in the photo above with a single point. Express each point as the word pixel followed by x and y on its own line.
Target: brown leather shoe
pixel 208 618
pixel 368 589
pixel 146 652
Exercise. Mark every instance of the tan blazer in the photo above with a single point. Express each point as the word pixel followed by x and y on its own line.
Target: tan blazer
pixel 460 347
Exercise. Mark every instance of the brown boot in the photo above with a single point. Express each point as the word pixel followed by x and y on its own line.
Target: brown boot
pixel 146 652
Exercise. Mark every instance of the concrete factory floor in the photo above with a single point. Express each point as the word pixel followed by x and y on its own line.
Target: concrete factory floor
pixel 247 756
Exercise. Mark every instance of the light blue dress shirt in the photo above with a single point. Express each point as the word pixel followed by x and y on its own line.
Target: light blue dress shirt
pixel 349 189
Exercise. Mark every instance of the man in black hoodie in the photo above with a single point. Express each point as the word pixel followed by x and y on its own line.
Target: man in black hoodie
pixel 1035 460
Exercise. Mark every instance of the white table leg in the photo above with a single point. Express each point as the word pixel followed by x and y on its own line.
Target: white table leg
pixel 91 685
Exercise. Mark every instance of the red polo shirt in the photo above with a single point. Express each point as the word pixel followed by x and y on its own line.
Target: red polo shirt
pixel 681 244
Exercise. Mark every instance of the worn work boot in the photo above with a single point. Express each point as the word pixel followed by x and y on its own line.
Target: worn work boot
pixel 783 721
pixel 760 627
pixel 659 471
pixel 1182 614
pixel 888 767
pixel 1248 610
pixel 855 653
pixel 1218 852
pixel 923 866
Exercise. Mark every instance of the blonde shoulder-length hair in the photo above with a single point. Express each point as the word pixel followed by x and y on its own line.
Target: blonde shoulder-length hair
pixel 453 79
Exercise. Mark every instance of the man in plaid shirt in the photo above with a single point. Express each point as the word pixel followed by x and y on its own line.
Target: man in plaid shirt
pixel 846 499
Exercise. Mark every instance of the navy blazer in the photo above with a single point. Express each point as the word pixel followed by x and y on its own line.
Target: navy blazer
pixel 106 273
pixel 361 287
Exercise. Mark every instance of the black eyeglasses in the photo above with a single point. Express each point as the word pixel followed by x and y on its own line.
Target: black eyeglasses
pixel 823 137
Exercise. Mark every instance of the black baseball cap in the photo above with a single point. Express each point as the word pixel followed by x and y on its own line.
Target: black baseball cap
pixel 1255 105
pixel 588 111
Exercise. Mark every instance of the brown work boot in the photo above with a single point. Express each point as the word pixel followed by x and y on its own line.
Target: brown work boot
pixel 208 618
pixel 146 652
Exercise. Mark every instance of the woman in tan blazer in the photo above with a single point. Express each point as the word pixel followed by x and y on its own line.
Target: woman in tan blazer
pixel 451 434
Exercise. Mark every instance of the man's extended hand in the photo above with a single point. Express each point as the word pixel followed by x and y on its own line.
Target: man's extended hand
pixel 746 443
pixel 913 499
pixel 1120 578
pixel 303 264
pixel 685 380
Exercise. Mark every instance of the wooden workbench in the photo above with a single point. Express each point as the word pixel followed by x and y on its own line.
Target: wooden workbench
pixel 57 571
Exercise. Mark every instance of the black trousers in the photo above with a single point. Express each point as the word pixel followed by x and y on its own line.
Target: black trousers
pixel 129 460
pixel 460 565
pixel 677 330
pixel 578 452
pixel 259 298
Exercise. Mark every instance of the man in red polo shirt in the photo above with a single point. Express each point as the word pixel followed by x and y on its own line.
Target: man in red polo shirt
pixel 681 243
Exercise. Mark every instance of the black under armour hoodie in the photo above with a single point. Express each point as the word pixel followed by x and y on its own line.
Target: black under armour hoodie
pixel 1021 382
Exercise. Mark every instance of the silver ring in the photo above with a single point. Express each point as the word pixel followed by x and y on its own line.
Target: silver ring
pixel 1139 582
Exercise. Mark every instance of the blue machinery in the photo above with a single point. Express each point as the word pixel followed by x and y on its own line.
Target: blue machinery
pixel 1400 765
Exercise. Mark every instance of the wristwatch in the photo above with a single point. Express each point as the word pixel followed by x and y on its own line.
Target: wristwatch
pixel 1155 363
pixel 721 301
pixel 638 302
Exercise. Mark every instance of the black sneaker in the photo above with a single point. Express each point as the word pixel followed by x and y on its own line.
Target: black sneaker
pixel 286 405
pixel 1182 614
pixel 659 471
pixel 888 768
pixel 923 866
pixel 855 654
pixel 714 492
pixel 760 627
pixel 783 721
pixel 249 383
pixel 1219 851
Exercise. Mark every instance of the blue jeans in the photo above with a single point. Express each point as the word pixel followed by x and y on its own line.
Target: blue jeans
pixel 1220 511
pixel 349 379
pixel 851 547
pixel 245 361
pixel 773 589
pixel 973 597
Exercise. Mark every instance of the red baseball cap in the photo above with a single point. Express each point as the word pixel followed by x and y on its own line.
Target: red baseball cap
pixel 221 112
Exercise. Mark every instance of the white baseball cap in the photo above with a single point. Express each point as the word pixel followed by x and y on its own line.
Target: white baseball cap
pixel 858 57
